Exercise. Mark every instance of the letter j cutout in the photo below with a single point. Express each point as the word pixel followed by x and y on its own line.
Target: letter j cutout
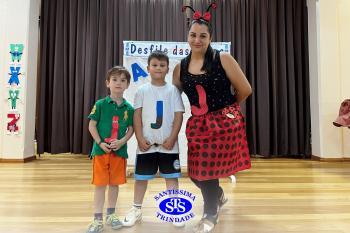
pixel 159 119
pixel 203 106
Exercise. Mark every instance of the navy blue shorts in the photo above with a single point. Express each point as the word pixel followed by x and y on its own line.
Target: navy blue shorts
pixel 147 166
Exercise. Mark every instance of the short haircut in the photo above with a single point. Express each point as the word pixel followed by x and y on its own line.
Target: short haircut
pixel 118 70
pixel 158 54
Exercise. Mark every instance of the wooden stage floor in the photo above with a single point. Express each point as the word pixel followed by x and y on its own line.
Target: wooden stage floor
pixel 53 194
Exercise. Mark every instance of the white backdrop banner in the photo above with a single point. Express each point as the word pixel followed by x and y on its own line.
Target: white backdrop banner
pixel 135 60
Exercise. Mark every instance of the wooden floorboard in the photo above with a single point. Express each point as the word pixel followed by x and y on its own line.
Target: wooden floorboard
pixel 53 194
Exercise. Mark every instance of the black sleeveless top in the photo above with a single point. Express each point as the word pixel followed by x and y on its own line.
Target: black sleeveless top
pixel 216 85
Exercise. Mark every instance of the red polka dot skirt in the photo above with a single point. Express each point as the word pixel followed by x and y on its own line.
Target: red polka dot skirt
pixel 217 144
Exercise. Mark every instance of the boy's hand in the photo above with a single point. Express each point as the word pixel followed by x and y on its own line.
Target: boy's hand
pixel 116 144
pixel 105 147
pixel 144 145
pixel 169 143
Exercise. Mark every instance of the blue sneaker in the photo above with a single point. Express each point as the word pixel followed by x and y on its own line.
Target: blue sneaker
pixel 113 221
pixel 95 227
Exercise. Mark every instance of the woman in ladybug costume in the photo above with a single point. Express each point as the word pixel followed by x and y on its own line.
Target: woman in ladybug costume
pixel 217 145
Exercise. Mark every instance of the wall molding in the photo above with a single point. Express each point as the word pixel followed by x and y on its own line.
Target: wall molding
pixel 25 160
pixel 317 158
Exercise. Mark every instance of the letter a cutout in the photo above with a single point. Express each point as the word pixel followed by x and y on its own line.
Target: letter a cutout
pixel 137 72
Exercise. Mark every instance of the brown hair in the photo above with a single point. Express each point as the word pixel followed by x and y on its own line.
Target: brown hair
pixel 159 55
pixel 118 70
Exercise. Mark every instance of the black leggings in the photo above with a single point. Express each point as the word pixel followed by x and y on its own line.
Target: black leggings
pixel 211 192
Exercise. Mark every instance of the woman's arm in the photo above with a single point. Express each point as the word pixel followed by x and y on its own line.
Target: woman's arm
pixel 176 77
pixel 236 77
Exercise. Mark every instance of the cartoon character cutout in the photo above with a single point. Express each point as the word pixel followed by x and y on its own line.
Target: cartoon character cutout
pixel 12 126
pixel 13 97
pixel 16 51
pixel 15 72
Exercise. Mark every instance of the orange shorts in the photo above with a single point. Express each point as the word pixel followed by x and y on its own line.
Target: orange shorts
pixel 108 169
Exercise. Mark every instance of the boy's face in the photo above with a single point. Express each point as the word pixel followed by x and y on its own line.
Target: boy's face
pixel 117 84
pixel 158 69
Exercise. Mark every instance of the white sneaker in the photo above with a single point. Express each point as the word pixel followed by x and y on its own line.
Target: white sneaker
pixel 179 224
pixel 204 226
pixel 134 215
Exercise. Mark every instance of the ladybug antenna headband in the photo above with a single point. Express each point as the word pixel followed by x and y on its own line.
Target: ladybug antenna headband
pixel 197 15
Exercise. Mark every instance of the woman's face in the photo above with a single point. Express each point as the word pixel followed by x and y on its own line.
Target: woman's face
pixel 199 38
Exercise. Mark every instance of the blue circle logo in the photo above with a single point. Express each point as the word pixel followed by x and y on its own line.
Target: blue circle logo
pixel 175 206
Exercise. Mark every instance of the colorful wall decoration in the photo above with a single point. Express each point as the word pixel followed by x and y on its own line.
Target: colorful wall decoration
pixel 13 83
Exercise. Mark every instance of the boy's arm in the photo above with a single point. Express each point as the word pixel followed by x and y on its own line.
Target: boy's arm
pixel 117 144
pixel 143 144
pixel 128 134
pixel 94 133
pixel 170 141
